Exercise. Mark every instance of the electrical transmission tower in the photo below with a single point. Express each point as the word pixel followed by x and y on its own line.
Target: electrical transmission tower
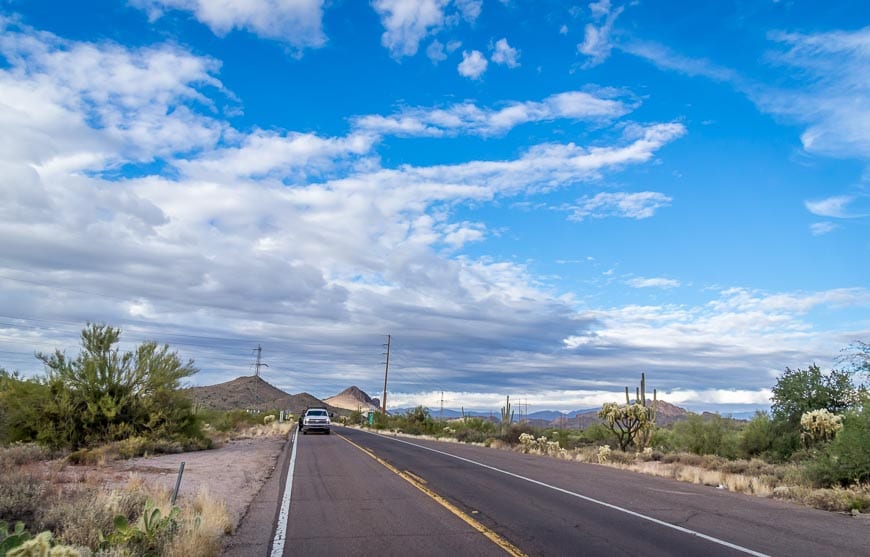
pixel 259 363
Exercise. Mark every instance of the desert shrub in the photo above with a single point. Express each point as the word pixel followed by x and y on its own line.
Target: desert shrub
pixel 105 395
pixel 691 459
pixel 22 495
pixel 622 457
pixel 594 434
pixel 757 436
pixel 77 518
pixel 20 403
pixel 711 435
pixel 846 459
pixel 471 436
pixel 18 454
pixel 511 435
pixel 232 420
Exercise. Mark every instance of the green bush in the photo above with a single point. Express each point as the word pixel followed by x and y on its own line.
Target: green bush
pixel 710 435
pixel 595 434
pixel 101 395
pixel 757 437
pixel 846 460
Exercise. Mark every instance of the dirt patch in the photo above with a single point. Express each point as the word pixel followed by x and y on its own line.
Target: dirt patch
pixel 232 473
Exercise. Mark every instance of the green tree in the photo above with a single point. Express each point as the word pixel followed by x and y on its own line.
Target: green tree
pixel 846 459
pixel 757 436
pixel 21 401
pixel 104 394
pixel 798 391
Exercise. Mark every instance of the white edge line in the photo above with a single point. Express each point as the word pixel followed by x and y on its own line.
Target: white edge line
pixel 736 547
pixel 284 514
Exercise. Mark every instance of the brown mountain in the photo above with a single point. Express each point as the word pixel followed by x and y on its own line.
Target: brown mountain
pixel 352 398
pixel 666 414
pixel 251 392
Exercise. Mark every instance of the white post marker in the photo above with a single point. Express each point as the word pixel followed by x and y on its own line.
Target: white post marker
pixel 284 513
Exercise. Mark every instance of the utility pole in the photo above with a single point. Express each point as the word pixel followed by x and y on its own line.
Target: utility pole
pixel 386 373
pixel 442 405
pixel 259 364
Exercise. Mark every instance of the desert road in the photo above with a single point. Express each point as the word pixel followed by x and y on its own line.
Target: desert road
pixel 359 493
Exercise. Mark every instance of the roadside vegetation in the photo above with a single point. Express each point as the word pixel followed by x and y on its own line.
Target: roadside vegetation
pixel 812 448
pixel 101 405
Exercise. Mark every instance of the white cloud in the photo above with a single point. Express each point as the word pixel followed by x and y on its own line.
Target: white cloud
pixel 830 93
pixel 770 329
pixel 469 118
pixel 597 42
pixel 715 397
pixel 639 205
pixel 435 52
pixel 666 59
pixel 70 106
pixel 470 9
pixel 840 206
pixel 293 155
pixel 505 54
pixel 473 64
pixel 658 282
pixel 599 9
pixel 295 22
pixel 821 228
pixel 563 30
pixel 407 22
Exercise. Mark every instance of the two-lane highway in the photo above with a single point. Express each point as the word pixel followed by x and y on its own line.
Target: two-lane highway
pixel 360 493
pixel 344 502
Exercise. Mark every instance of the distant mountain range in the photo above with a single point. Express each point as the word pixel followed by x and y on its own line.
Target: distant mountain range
pixel 255 393
pixel 667 414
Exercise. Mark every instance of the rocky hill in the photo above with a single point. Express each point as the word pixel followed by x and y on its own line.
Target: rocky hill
pixel 666 414
pixel 251 392
pixel 353 398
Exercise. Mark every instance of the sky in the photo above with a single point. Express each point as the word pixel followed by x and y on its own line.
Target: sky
pixel 539 199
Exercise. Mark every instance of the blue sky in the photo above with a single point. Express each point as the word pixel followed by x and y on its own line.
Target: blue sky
pixel 535 199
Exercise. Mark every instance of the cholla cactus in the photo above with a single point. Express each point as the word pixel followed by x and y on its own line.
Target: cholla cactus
pixel 268 419
pixel 603 453
pixel 632 423
pixel 40 546
pixel 819 425
pixel 527 440
pixel 541 445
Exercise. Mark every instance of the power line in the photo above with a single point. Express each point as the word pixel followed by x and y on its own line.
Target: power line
pixel 386 372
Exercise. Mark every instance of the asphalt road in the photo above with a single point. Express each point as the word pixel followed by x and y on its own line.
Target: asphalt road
pixel 345 502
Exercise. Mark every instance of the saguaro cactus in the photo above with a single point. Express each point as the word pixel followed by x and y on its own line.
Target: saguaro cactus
pixel 507 415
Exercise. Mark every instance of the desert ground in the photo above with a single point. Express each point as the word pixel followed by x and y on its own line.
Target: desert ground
pixel 233 473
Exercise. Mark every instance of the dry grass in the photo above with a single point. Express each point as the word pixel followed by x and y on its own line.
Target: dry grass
pixel 80 512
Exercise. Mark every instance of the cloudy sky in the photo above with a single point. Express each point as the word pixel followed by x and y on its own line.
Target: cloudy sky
pixel 534 198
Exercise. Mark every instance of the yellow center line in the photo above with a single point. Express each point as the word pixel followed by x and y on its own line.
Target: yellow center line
pixel 418 482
